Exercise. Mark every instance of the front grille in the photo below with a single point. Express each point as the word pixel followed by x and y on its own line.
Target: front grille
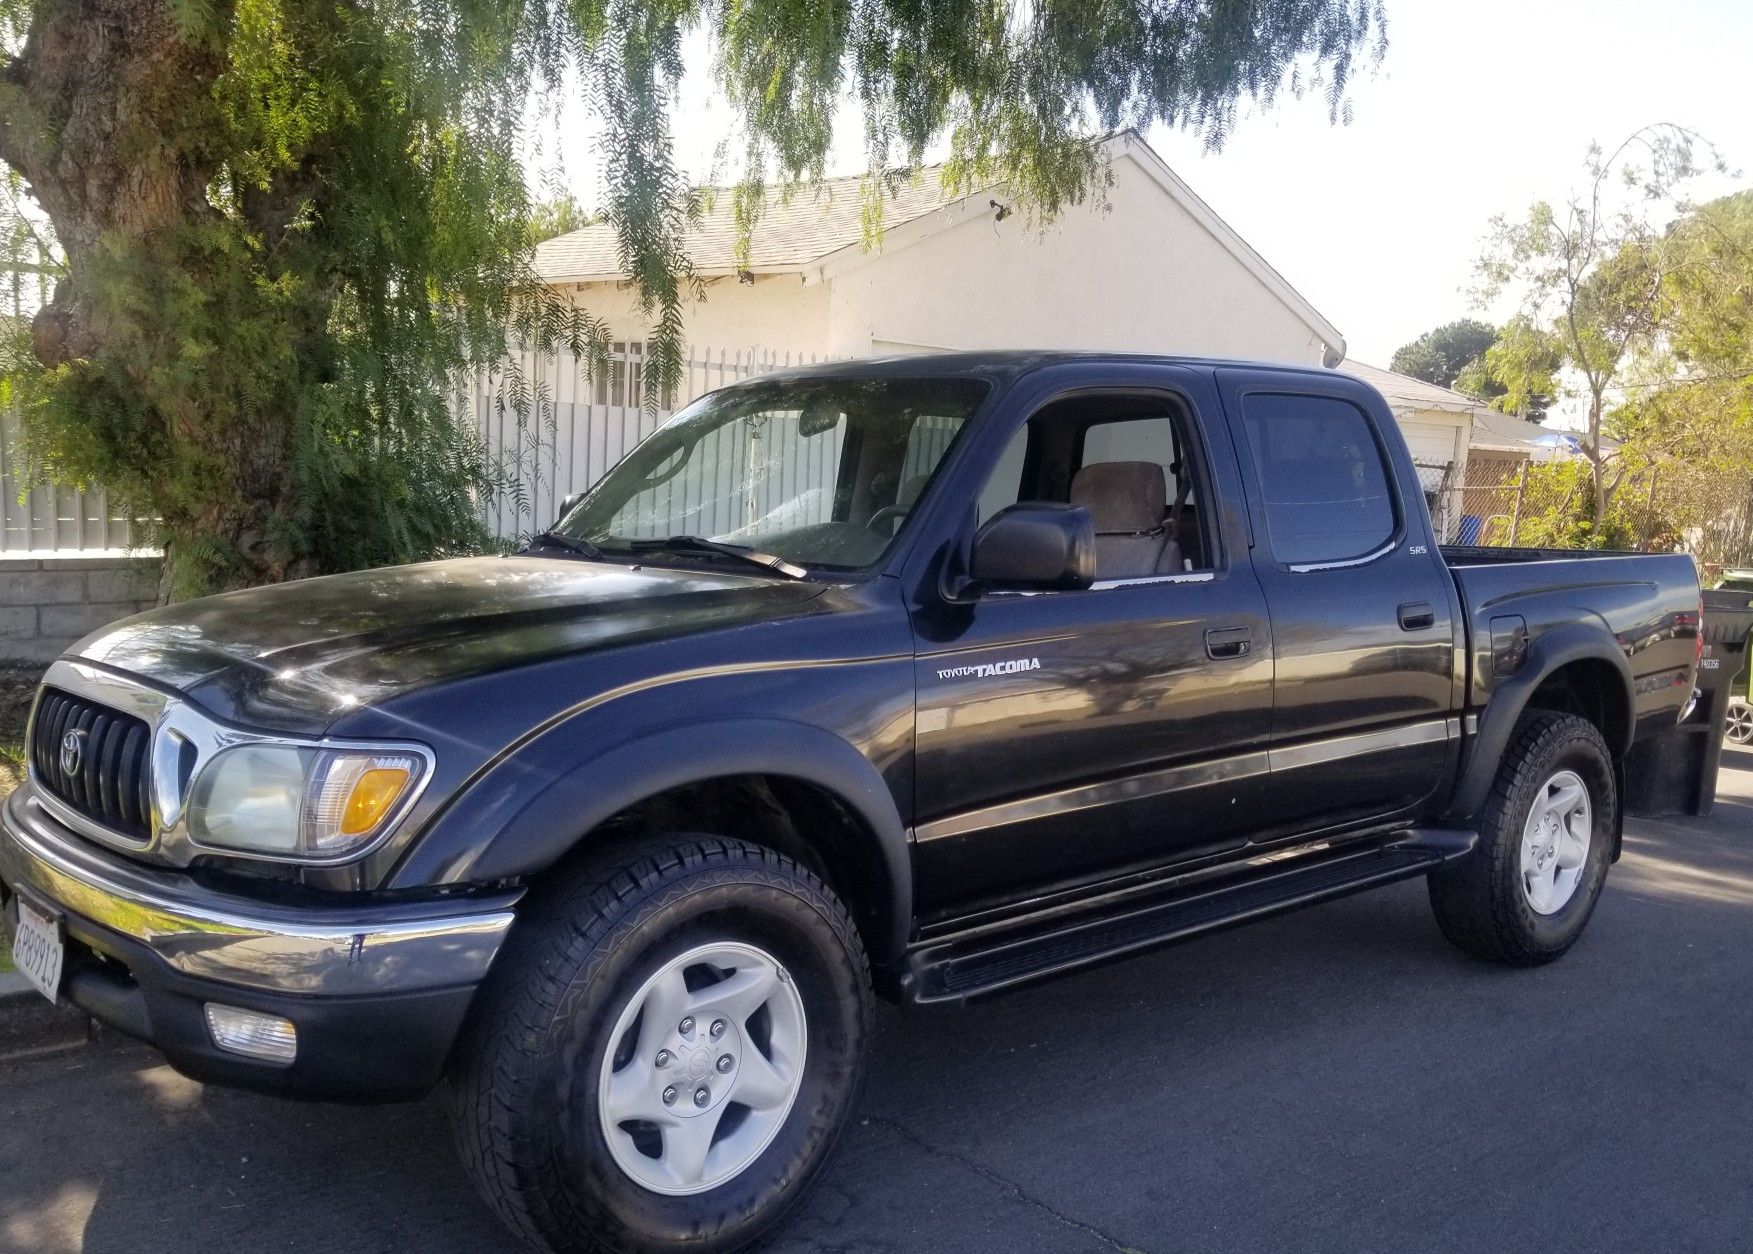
pixel 110 785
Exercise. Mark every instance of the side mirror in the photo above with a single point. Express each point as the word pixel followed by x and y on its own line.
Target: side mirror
pixel 1036 545
pixel 567 505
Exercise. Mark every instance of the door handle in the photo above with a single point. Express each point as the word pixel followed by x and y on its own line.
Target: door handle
pixel 1417 616
pixel 1228 642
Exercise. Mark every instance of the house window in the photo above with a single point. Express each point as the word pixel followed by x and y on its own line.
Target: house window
pixel 621 382
pixel 1322 479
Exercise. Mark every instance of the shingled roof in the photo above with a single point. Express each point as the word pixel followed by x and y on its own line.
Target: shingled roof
pixel 793 232
pixel 1404 392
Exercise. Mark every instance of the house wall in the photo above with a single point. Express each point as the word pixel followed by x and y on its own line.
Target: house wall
pixel 775 312
pixel 1136 272
pixel 1435 436
pixel 1438 438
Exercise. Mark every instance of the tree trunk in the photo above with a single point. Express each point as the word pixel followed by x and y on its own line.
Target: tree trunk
pixel 116 130
pixel 103 85
pixel 1596 466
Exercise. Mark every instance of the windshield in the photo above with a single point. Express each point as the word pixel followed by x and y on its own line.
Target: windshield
pixel 819 472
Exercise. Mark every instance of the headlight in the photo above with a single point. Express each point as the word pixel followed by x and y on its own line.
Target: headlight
pixel 300 803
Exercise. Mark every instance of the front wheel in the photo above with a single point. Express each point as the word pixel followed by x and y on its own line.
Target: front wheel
pixel 667 1051
pixel 1545 841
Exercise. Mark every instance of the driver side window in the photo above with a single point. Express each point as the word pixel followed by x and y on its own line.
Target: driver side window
pixel 1129 462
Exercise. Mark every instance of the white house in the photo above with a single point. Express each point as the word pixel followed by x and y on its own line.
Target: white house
pixel 1437 422
pixel 1148 267
pixel 1440 427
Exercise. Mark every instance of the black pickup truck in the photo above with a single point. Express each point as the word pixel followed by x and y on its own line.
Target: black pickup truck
pixel 919 678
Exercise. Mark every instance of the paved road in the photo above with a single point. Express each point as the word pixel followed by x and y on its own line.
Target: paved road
pixel 1337 1079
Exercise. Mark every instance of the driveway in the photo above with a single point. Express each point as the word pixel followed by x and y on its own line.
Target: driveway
pixel 1338 1079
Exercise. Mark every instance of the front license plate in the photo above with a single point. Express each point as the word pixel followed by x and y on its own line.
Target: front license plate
pixel 37 949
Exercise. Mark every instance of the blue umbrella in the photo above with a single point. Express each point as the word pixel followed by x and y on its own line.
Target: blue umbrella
pixel 1560 439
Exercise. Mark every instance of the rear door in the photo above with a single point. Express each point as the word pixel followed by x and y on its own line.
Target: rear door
pixel 1364 623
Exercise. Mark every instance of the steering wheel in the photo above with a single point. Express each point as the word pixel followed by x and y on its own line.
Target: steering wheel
pixel 888 513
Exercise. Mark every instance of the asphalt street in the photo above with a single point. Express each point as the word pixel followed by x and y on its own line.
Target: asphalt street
pixel 1338 1079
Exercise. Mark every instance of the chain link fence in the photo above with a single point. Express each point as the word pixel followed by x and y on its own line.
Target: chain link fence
pixel 1510 502
pixel 1514 502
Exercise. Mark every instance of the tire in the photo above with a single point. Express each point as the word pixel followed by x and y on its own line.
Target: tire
pixel 558 1038
pixel 1740 720
pixel 1498 905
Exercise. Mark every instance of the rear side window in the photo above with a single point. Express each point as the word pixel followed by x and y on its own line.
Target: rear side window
pixel 1322 477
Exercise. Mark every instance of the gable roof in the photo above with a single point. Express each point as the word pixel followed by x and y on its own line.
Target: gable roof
pixel 1494 431
pixel 820 228
pixel 794 230
pixel 1404 392
pixel 1506 433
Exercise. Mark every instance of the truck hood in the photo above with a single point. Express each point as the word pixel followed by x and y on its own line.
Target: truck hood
pixel 297 656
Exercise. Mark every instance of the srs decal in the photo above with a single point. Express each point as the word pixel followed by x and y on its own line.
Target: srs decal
pixel 986 670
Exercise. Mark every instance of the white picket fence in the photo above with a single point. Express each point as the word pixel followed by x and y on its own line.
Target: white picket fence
pixel 553 427
pixel 52 519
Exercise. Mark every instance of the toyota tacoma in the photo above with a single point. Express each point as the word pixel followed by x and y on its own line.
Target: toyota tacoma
pixel 919 679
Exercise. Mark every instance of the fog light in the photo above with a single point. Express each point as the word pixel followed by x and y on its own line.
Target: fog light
pixel 255 1035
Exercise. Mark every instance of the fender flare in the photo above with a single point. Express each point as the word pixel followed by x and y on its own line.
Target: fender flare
pixel 530 810
pixel 1573 642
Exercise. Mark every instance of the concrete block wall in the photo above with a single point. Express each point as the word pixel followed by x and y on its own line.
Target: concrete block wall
pixel 48 602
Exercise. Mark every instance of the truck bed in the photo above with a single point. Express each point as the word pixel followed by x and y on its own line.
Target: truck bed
pixel 1647 601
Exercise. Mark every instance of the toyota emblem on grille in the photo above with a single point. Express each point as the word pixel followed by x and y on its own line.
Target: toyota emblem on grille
pixel 72 751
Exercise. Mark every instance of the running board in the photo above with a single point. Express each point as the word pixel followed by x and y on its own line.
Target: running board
pixel 955 968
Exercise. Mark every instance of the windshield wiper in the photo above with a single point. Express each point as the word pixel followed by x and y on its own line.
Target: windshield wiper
pixel 700 544
pixel 554 540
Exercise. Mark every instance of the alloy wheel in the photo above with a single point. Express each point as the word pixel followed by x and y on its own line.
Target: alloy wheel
pixel 1741 723
pixel 1555 842
pixel 703 1067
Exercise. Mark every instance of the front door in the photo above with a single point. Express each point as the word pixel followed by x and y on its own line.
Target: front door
pixel 1077 735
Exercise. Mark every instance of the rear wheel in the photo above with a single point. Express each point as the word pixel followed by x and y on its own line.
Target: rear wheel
pixel 666 1052
pixel 1740 728
pixel 1545 841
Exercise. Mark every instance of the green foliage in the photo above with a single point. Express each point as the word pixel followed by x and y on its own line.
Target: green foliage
pixel 272 375
pixel 1590 275
pixel 17 688
pixel 310 226
pixel 1441 354
pixel 1564 513
pixel 1519 372
pixel 1688 412
pixel 560 215
pixel 29 261
pixel 1514 369
pixel 1708 294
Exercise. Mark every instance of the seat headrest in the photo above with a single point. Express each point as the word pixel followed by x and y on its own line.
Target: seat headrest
pixel 1124 498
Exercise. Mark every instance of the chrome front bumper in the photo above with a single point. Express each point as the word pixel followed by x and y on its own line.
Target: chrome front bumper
pixel 369 949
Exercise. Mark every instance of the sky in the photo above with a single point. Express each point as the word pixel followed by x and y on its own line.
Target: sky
pixel 1477 109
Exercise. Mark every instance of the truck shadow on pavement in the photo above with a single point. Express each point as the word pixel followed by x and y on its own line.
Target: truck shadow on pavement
pixel 1339 1078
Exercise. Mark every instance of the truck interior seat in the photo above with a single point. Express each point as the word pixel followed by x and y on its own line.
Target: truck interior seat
pixel 1129 502
pixel 910 490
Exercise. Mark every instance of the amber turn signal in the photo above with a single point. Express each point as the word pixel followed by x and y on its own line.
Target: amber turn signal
pixel 373 794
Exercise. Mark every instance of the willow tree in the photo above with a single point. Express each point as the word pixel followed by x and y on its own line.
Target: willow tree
pixel 289 226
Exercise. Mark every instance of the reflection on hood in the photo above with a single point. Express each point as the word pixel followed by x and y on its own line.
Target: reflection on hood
pixel 298 654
